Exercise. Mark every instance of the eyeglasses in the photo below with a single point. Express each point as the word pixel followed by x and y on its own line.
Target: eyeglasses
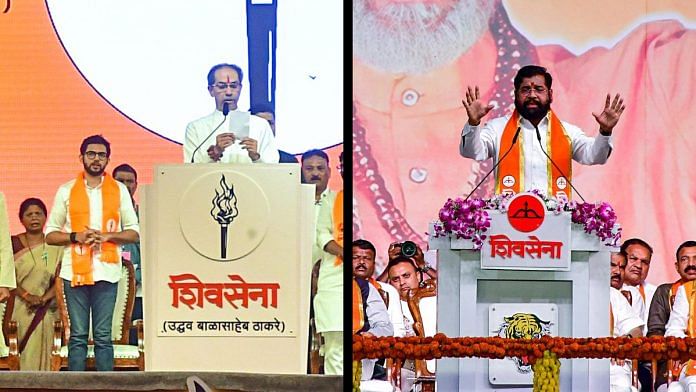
pixel 526 90
pixel 94 154
pixel 225 86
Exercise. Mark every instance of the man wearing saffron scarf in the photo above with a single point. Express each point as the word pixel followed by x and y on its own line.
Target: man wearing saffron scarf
pixel 663 300
pixel 624 320
pixel 92 216
pixel 527 167
pixel 328 302
pixel 681 321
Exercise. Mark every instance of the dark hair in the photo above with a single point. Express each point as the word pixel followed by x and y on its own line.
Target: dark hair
pixel 364 244
pixel 315 153
pixel 685 244
pixel 532 70
pixel 635 241
pixel 401 259
pixel 211 73
pixel 262 108
pixel 623 255
pixel 95 139
pixel 124 167
pixel 32 201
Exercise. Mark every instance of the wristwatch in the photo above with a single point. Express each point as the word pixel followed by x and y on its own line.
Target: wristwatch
pixel 425 268
pixel 73 238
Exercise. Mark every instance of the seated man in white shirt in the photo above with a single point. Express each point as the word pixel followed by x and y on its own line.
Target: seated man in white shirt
pixel 624 322
pixel 229 135
pixel 678 325
pixel 404 276
pixel 618 282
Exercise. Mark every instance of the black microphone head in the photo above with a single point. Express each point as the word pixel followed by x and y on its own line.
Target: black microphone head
pixel 225 109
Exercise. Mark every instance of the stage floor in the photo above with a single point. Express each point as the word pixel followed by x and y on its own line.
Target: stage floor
pixel 163 381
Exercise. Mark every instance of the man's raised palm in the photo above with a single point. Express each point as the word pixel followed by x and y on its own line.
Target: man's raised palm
pixel 475 108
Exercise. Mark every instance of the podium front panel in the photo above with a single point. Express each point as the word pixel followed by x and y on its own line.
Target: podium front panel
pixel 226 251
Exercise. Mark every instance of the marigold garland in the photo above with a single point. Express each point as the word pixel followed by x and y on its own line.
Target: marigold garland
pixel 439 346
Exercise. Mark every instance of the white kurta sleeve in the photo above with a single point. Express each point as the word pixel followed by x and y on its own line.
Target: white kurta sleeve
pixel 478 142
pixel 377 314
pixel 588 150
pixel 679 318
pixel 266 146
pixel 191 141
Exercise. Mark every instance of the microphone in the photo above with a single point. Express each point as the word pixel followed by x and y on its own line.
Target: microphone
pixel 514 140
pixel 225 112
pixel 538 134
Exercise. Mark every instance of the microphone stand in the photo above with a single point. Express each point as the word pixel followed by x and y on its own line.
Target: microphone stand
pixel 514 140
pixel 225 112
pixel 538 135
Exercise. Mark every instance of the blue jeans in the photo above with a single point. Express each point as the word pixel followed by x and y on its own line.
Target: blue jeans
pixel 101 298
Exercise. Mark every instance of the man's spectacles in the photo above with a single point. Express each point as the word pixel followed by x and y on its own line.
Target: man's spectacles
pixel 94 154
pixel 225 86
pixel 526 90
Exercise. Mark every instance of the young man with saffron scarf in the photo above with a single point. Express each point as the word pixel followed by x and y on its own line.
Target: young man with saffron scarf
pixel 328 302
pixel 92 216
pixel 526 167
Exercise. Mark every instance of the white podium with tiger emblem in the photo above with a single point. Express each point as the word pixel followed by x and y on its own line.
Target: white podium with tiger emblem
pixel 536 274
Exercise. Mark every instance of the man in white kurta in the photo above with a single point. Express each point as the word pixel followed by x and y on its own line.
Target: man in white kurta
pixel 626 322
pixel 678 326
pixel 533 98
pixel 404 276
pixel 328 302
pixel 239 137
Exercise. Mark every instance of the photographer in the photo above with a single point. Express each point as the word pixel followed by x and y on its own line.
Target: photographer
pixel 412 251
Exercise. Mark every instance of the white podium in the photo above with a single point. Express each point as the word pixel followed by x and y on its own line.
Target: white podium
pixel 226 255
pixel 577 289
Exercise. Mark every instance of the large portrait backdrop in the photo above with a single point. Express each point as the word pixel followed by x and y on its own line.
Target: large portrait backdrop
pixel 135 72
pixel 413 61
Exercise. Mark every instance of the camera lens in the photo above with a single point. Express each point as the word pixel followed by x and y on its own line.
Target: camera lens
pixel 408 248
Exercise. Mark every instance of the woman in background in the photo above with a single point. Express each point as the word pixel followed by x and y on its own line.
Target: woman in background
pixel 36 266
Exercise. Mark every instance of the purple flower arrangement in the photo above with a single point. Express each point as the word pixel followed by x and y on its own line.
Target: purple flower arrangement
pixel 469 219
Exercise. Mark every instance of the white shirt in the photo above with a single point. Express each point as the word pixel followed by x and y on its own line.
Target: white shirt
pixel 649 289
pixel 59 220
pixel 198 130
pixel 428 309
pixel 482 142
pixel 637 302
pixel 679 317
pixel 625 318
pixel 328 196
pixel 329 298
pixel 396 315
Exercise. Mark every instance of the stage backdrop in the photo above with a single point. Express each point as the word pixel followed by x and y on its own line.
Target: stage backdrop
pixel 413 61
pixel 136 71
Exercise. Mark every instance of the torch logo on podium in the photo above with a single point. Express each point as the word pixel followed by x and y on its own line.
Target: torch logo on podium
pixel 224 211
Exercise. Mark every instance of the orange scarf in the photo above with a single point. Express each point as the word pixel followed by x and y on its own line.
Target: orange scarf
pixel 358 315
pixel 79 220
pixel 511 170
pixel 338 224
